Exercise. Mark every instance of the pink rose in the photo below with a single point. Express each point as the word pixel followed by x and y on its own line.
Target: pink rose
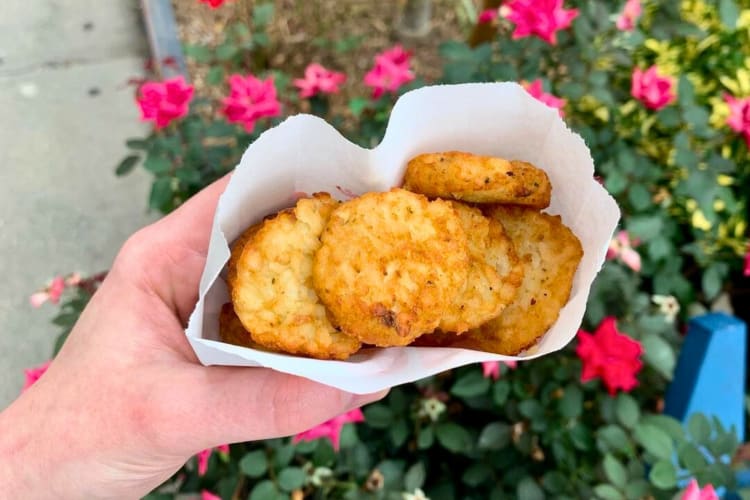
pixel 249 100
pixel 654 91
pixel 487 16
pixel 630 14
pixel 739 115
pixel 542 18
pixel 491 369
pixel 535 89
pixel 695 492
pixel 319 80
pixel 34 374
pixel 331 429
pixel 164 102
pixel 390 72
pixel 620 247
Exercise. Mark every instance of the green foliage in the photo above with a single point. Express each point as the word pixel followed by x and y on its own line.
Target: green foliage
pixel 679 174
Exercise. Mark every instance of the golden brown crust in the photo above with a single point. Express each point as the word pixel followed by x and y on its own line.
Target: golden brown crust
pixel 550 253
pixel 272 286
pixel 478 179
pixel 390 264
pixel 494 275
pixel 236 250
pixel 231 330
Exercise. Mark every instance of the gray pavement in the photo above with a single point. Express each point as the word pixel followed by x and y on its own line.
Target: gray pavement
pixel 65 112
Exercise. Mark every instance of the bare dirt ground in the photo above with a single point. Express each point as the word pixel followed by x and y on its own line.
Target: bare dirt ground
pixel 341 35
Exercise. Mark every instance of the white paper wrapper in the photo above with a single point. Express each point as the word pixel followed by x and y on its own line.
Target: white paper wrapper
pixel 305 155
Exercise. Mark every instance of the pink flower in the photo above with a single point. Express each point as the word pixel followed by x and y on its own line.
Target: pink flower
pixel 319 80
pixel 543 18
pixel 73 279
pixel 746 271
pixel 52 292
pixel 34 374
pixel 610 355
pixel 214 4
pixel 38 298
pixel 331 429
pixel 203 456
pixel 249 100
pixel 56 289
pixel 535 89
pixel 390 72
pixel 739 115
pixel 654 91
pixel 487 16
pixel 163 102
pixel 694 492
pixel 630 14
pixel 621 248
pixel 491 369
pixel 207 495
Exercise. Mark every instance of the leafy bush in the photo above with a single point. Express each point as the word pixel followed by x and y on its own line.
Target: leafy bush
pixel 661 98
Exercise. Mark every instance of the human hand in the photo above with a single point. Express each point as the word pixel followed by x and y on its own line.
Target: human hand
pixel 126 403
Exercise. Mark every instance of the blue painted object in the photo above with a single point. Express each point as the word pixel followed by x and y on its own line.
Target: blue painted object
pixel 710 373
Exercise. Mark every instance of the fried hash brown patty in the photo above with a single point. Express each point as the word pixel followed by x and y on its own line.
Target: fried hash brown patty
pixel 237 247
pixel 495 273
pixel 550 253
pixel 231 330
pixel 478 179
pixel 272 287
pixel 390 264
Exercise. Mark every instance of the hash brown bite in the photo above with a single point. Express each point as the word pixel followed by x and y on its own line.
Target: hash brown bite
pixel 550 253
pixel 478 179
pixel 390 264
pixel 231 329
pixel 272 287
pixel 494 274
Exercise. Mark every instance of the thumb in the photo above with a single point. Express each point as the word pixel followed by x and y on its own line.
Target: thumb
pixel 236 404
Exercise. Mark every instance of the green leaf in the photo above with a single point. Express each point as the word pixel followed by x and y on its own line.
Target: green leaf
pixel 495 436
pixel 658 353
pixel 500 392
pixel 399 433
pixel 531 408
pixel 639 196
pixel 138 144
pixel 393 473
pixel 613 438
pixel 581 437
pixel 663 475
pixel 529 490
pixel 226 51
pixel 126 165
pixel 712 280
pixel 453 437
pixel 263 14
pixel 654 440
pixel 554 481
pixel 157 165
pixel 470 385
pixel 728 13
pixel 571 404
pixel 645 226
pixel 615 471
pixel 198 53
pixel 264 490
pixel 291 478
pixel 283 455
pixel 476 474
pixel 425 438
pixel 189 176
pixel 671 426
pixel 699 428
pixel 378 416
pixel 415 477
pixel 161 194
pixel 357 105
pixel 215 75
pixel 607 492
pixel 691 457
pixel 254 464
pixel 626 408
pixel 636 489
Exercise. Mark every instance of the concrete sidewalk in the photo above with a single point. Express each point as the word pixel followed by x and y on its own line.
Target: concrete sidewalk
pixel 66 110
